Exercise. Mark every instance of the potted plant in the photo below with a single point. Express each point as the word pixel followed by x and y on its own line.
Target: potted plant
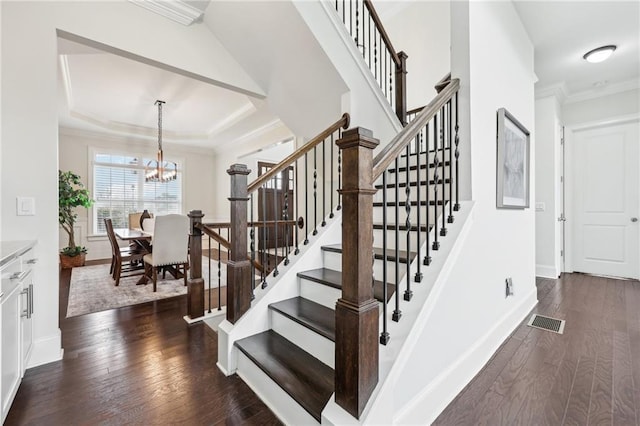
pixel 71 194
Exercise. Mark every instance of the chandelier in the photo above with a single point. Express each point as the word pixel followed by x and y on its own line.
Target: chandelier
pixel 159 170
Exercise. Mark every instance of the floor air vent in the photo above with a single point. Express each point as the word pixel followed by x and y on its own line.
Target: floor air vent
pixel 546 323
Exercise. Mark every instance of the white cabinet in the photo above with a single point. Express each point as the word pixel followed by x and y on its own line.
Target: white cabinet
pixel 16 323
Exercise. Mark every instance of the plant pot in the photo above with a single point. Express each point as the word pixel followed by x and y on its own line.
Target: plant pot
pixel 68 262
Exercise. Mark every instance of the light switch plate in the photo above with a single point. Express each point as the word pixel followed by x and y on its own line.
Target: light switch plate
pixel 540 207
pixel 25 206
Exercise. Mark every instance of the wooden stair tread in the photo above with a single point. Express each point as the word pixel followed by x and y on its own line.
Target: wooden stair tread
pixel 333 279
pixel 305 378
pixel 377 253
pixel 309 314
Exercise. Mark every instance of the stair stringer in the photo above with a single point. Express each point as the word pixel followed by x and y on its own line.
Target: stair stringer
pixel 382 407
pixel 365 101
pixel 284 286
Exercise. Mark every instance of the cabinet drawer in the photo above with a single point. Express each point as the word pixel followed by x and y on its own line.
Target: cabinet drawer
pixel 12 275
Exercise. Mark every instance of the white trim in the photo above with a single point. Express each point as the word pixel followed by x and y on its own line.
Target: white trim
pixel 445 387
pixel 611 89
pixel 177 10
pixel 47 349
pixel 623 119
pixel 359 61
pixel 546 271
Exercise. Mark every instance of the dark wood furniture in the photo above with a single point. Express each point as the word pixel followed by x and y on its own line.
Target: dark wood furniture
pixel 123 260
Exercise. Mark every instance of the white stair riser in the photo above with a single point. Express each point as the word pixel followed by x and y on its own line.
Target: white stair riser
pixel 378 197
pixel 283 406
pixel 319 293
pixel 313 343
pixel 434 211
pixel 334 261
pixel 402 239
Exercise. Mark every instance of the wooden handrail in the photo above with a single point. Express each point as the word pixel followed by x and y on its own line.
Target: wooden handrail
pixel 224 242
pixel 416 110
pixel 402 139
pixel 442 83
pixel 383 32
pixel 343 122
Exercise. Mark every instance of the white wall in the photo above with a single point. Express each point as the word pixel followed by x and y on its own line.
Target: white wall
pixel 29 113
pixel 548 171
pixel 598 109
pixel 74 154
pixel 472 316
pixel 229 155
pixel 422 31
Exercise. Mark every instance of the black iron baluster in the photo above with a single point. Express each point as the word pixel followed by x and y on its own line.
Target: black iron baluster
pixel 443 128
pixel 390 99
pixel 295 206
pixel 450 219
pixel 375 55
pixel 285 218
pixel 357 26
pixel 306 200
pixel 384 336
pixel 427 257
pixel 397 313
pixel 324 184
pixel 457 140
pixel 408 294
pixel 418 276
pixel 331 177
pixel 209 278
pixel 220 278
pixel 436 164
pixel 276 213
pixel 252 247
pixel 339 206
pixel 315 192
pixel 265 255
pixel 351 18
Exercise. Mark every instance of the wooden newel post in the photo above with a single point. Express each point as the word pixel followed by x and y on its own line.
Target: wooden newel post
pixel 356 363
pixel 401 88
pixel 238 267
pixel 195 286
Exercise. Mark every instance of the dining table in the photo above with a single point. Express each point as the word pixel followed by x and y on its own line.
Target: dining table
pixel 143 239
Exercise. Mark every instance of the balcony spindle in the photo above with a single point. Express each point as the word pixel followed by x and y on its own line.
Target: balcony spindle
pixel 384 336
pixel 315 192
pixel 443 128
pixel 427 257
pixel 450 219
pixel 457 155
pixel 306 200
pixel 408 294
pixel 436 164
pixel 324 185
pixel 397 313
pixel 418 140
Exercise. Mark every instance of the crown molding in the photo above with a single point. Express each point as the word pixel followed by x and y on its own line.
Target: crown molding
pixel 558 90
pixel 176 10
pixel 611 89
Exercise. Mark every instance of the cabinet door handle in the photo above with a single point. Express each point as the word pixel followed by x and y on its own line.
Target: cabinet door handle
pixel 30 300
pixel 19 275
pixel 25 311
pixel 32 261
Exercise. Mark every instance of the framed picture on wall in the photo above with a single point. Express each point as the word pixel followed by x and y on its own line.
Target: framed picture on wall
pixel 512 186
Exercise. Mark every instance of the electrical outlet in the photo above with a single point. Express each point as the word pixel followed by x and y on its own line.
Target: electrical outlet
pixel 508 287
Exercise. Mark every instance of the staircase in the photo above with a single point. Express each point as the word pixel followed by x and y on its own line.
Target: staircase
pixel 296 354
pixel 321 331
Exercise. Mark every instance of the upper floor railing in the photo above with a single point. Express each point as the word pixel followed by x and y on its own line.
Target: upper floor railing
pixel 389 68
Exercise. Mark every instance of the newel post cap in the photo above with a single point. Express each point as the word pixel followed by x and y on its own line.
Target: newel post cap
pixel 357 136
pixel 238 169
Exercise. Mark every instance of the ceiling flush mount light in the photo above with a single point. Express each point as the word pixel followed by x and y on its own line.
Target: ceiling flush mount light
pixel 159 170
pixel 600 54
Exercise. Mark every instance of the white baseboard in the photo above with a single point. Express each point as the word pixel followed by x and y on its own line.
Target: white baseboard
pixel 46 350
pixel 546 271
pixel 446 386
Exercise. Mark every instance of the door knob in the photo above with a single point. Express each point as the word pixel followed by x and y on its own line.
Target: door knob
pixel 634 219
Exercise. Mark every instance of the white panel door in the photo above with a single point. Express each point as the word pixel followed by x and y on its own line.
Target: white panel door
pixel 606 201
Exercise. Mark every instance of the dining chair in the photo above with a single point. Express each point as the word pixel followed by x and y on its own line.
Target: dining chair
pixel 170 246
pixel 122 258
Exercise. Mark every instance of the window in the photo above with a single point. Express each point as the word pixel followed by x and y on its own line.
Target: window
pixel 119 189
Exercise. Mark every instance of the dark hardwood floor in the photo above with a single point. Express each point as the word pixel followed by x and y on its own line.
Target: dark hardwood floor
pixel 144 365
pixel 590 375
pixel 136 365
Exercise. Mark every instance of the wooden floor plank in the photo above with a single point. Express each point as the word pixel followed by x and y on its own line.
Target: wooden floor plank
pixel 135 365
pixel 588 375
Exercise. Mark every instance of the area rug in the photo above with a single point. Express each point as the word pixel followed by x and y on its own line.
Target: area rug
pixel 92 289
